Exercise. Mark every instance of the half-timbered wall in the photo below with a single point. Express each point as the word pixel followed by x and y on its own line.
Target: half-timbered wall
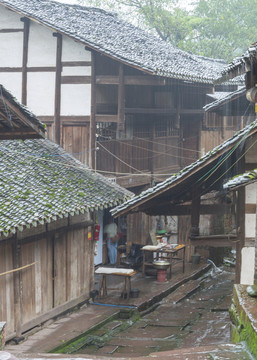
pixel 51 74
pixel 248 251
pixel 60 275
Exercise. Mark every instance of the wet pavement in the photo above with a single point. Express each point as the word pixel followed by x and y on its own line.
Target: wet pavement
pixel 183 318
pixel 179 321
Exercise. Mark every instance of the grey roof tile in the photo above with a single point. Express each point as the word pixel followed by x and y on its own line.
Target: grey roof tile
pixel 40 182
pixel 241 180
pixel 144 195
pixel 121 40
pixel 223 97
pixel 21 119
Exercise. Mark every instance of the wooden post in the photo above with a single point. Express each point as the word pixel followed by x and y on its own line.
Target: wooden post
pixel 177 119
pixel 150 152
pixel 25 59
pixel 195 210
pixel 57 105
pixel 121 99
pixel 17 281
pixel 92 141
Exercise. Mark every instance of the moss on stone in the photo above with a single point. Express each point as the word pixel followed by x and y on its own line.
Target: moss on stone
pixel 242 330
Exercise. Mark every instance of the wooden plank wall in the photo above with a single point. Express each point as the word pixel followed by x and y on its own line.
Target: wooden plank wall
pixel 64 271
pixel 138 227
pixel 74 139
pixel 6 286
pixel 210 139
pixel 163 153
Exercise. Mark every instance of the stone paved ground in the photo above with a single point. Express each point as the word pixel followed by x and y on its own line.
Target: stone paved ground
pixel 197 321
pixel 180 328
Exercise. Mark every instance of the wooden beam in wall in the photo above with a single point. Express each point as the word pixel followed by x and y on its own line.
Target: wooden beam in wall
pixel 156 111
pixel 10 69
pixel 76 63
pixel 57 106
pixel 180 210
pixel 71 79
pixel 92 140
pixel 26 25
pixel 4 31
pixel 130 80
pixel 107 118
pixel 250 208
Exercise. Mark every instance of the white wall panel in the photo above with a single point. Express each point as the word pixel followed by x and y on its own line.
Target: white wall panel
pixel 250 225
pixel 11 48
pixel 74 51
pixel 250 194
pixel 9 19
pixel 41 93
pixel 75 99
pixel 42 46
pixel 247 268
pixel 12 82
pixel 78 70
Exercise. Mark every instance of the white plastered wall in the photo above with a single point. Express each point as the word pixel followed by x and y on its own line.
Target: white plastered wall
pixel 75 98
pixel 12 82
pixel 74 51
pixel 9 19
pixel 248 253
pixel 41 93
pixel 11 51
pixel 247 268
pixel 42 46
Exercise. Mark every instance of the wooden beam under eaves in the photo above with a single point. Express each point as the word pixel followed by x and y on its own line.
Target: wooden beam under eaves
pixel 178 210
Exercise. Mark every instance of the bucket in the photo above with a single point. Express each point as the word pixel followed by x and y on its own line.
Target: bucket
pixel 161 275
pixel 134 293
pixel 195 258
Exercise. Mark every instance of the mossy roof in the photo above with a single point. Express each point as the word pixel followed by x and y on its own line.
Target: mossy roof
pixel 241 180
pixel 40 182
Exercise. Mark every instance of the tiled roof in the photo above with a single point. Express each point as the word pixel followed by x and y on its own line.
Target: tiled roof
pixel 40 182
pixel 16 120
pixel 223 97
pixel 186 172
pixel 237 66
pixel 240 180
pixel 106 33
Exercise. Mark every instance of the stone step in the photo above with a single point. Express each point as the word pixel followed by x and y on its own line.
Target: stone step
pixel 184 291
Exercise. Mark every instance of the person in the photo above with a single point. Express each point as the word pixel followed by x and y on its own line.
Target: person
pixel 111 235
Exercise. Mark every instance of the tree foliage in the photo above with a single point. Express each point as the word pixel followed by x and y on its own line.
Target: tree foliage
pixel 213 28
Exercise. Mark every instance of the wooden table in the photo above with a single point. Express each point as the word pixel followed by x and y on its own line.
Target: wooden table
pixel 172 255
pixel 126 273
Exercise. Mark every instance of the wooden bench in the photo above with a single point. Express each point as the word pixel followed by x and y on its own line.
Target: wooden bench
pixel 125 273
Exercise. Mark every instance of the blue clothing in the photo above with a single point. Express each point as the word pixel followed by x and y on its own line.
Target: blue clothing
pixel 112 251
